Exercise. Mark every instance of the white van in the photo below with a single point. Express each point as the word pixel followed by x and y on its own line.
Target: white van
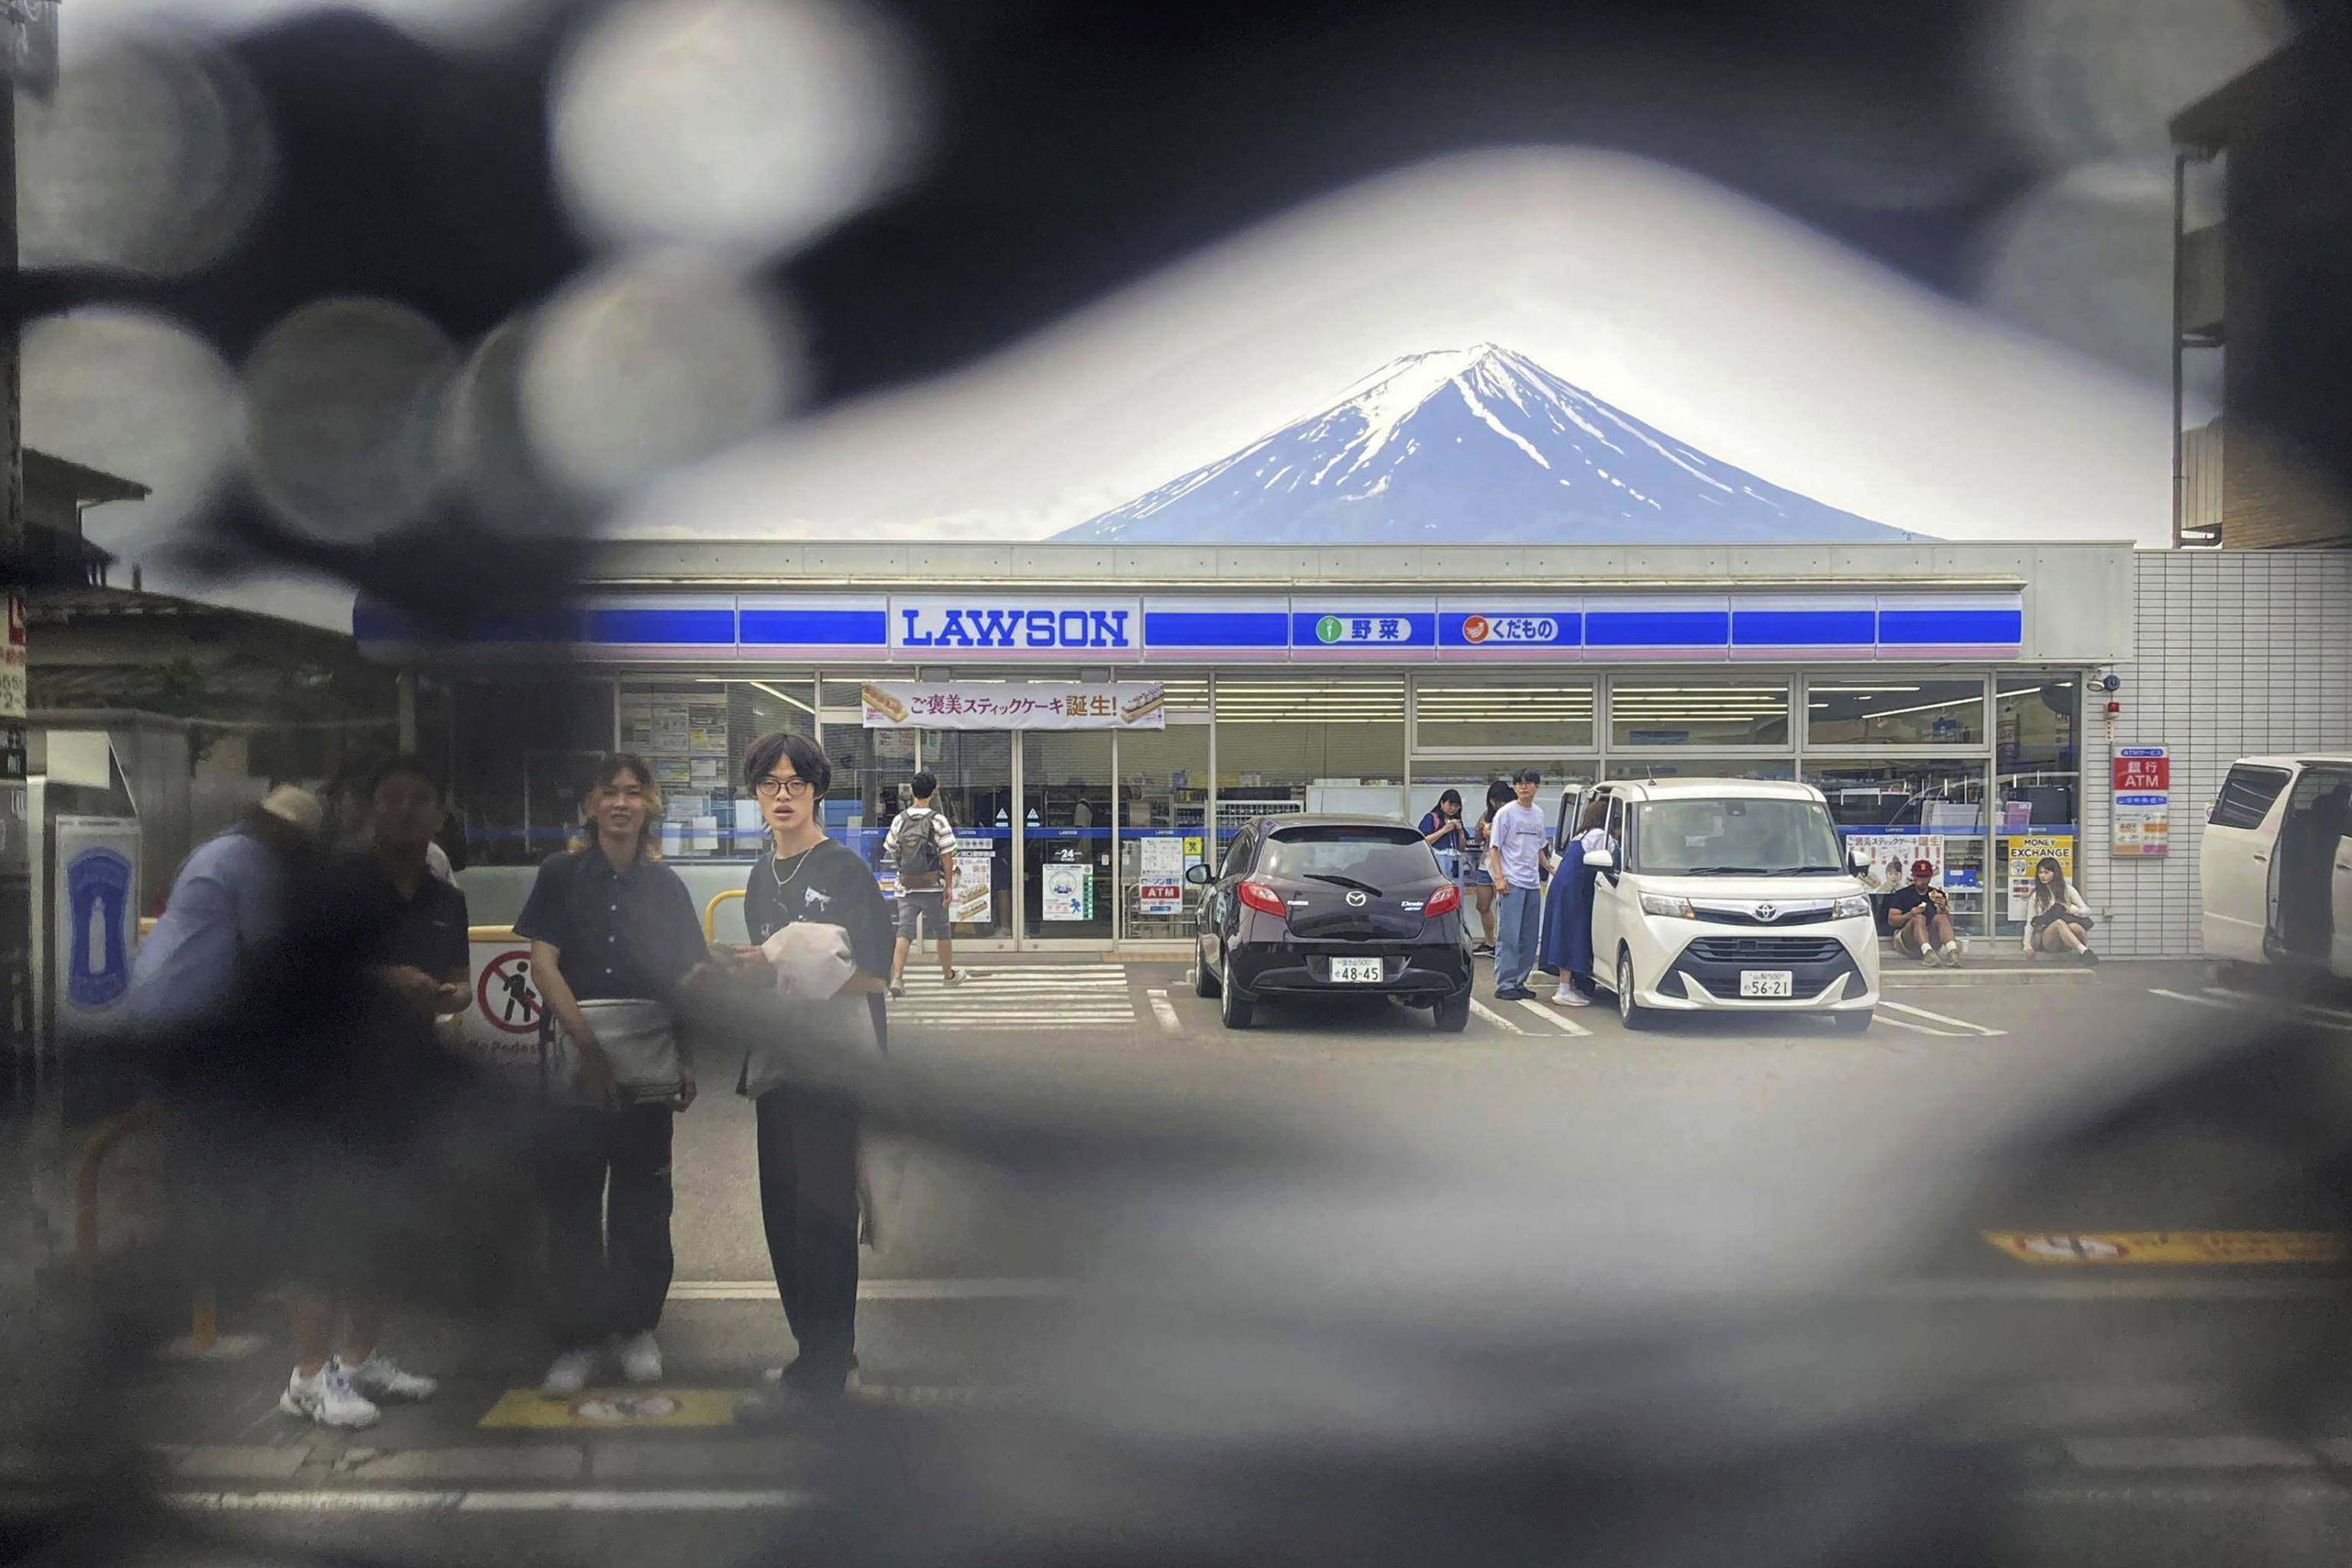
pixel 2276 868
pixel 1729 894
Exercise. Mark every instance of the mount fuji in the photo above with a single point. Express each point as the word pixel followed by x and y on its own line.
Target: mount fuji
pixel 1467 446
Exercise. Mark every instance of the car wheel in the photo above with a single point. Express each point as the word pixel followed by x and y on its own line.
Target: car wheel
pixel 1235 1010
pixel 1854 1023
pixel 1453 1014
pixel 1630 1012
pixel 1204 981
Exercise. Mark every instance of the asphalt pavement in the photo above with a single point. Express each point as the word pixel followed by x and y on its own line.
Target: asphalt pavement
pixel 2094 1312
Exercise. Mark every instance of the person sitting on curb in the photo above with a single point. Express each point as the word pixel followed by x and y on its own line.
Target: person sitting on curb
pixel 1920 918
pixel 2060 917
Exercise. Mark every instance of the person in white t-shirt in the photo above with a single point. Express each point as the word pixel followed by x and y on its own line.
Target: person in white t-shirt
pixel 1519 854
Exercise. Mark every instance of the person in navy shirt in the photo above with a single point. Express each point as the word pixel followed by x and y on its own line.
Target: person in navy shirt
pixel 607 921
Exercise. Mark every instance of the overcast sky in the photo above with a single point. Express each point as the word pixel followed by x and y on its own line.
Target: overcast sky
pixel 1711 317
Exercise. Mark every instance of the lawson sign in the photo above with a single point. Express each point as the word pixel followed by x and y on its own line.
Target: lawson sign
pixel 982 622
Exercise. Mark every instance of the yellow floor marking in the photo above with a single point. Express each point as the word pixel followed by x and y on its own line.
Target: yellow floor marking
pixel 612 1410
pixel 2109 1247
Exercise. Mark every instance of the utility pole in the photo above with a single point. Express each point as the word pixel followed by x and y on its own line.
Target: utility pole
pixel 30 63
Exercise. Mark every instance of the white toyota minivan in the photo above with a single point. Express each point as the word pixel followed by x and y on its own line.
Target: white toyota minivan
pixel 2276 865
pixel 1729 894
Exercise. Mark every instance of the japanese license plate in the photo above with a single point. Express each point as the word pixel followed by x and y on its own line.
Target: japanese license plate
pixel 1358 972
pixel 1767 983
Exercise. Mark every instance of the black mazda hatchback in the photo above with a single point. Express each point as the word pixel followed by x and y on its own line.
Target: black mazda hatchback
pixel 1308 907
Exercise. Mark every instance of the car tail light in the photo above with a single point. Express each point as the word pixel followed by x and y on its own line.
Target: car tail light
pixel 1444 901
pixel 1263 899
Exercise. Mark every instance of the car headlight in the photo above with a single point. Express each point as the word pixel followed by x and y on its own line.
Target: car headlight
pixel 1672 908
pixel 1859 904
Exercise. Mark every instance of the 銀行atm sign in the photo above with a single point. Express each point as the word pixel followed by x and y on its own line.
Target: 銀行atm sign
pixel 2142 769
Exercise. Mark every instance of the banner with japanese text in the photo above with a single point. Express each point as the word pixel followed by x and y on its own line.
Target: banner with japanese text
pixel 1014 705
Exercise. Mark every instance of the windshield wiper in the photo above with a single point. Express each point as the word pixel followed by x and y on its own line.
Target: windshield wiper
pixel 1809 872
pixel 1717 872
pixel 1349 882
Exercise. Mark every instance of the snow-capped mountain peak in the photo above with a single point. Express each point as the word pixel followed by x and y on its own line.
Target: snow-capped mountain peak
pixel 1467 444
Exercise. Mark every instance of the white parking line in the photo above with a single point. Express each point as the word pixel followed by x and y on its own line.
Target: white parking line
pixel 1493 1017
pixel 2313 1008
pixel 382 1501
pixel 1565 1026
pixel 971 1289
pixel 1960 1023
pixel 1164 1011
pixel 2268 1015
pixel 1919 1029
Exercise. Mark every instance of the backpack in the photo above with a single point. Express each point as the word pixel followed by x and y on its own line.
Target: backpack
pixel 918 849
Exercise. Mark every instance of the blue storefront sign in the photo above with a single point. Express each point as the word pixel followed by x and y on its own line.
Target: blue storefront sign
pixel 983 623
pixel 1180 628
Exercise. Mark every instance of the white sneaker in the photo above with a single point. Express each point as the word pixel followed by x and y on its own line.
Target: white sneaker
pixel 327 1397
pixel 1569 996
pixel 570 1372
pixel 1951 956
pixel 380 1378
pixel 640 1358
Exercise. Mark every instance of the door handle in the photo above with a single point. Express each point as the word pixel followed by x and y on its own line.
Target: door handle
pixel 2263 860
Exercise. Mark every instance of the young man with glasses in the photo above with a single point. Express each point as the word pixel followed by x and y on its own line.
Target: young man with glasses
pixel 808 1131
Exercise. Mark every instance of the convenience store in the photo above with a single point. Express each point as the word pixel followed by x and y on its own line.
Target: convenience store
pixel 1099 717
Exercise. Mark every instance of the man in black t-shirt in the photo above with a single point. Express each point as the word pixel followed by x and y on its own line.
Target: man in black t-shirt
pixel 808 1134
pixel 414 926
pixel 1920 918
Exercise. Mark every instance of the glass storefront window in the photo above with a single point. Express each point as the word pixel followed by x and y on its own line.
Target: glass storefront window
pixel 974 770
pixel 870 770
pixel 2034 723
pixel 522 751
pixel 1164 783
pixel 1069 885
pixel 1564 783
pixel 1868 710
pixel 1699 711
pixel 1453 712
pixel 1701 768
pixel 1901 812
pixel 1308 741
pixel 693 735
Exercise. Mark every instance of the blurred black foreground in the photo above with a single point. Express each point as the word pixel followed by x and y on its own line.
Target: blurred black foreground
pixel 1318 1344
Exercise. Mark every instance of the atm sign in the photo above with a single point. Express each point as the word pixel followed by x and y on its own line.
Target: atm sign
pixel 1511 629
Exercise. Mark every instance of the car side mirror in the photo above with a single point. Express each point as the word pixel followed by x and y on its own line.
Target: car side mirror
pixel 1601 859
pixel 1197 875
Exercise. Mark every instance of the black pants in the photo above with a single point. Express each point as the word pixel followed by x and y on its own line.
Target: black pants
pixel 808 1203
pixel 608 1202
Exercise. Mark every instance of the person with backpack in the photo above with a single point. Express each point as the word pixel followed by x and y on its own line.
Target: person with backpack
pixel 923 844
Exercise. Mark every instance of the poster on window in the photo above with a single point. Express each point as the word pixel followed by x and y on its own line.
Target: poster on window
pixel 1891 855
pixel 973 899
pixel 1068 892
pixel 2024 854
pixel 1014 705
pixel 1160 880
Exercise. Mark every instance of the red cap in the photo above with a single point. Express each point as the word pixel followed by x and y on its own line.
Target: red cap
pixel 1923 868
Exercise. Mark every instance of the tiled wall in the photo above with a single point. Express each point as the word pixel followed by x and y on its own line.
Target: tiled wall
pixel 2240 653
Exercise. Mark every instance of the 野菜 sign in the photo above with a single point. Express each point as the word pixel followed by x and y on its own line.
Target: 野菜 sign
pixel 1014 705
